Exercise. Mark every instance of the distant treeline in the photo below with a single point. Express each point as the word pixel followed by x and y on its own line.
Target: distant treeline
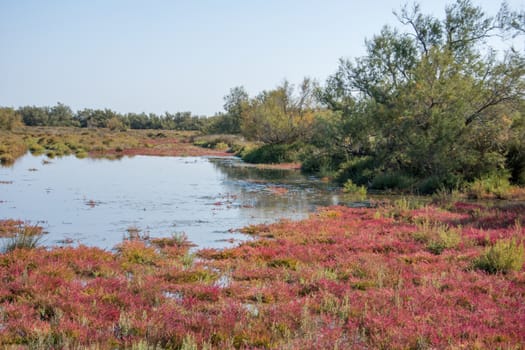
pixel 63 115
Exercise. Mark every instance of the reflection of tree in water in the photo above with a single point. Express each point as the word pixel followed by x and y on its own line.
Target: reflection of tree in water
pixel 255 187
pixel 235 170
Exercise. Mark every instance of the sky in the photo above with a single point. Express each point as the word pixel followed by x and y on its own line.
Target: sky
pixel 168 56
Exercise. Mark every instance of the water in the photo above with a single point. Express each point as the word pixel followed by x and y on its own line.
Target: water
pixel 95 201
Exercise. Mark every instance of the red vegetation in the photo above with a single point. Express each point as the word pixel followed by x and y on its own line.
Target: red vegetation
pixel 345 278
pixel 9 227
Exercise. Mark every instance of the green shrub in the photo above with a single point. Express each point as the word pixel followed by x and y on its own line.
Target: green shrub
pixel 447 238
pixel 115 124
pixel 445 198
pixel 360 170
pixel 494 185
pixel 504 256
pixel 355 190
pixel 9 119
pixel 273 153
pixel 314 160
pixel 394 181
pixel 430 185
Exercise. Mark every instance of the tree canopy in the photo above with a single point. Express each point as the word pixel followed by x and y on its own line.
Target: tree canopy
pixel 435 101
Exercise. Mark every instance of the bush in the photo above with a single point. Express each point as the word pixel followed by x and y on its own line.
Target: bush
pixel 356 190
pixel 430 185
pixel 504 256
pixel 447 238
pixel 360 170
pixel 393 181
pixel 115 124
pixel 494 185
pixel 9 119
pixel 315 160
pixel 273 154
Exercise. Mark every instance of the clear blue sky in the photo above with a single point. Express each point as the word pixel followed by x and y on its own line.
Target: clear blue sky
pixel 157 56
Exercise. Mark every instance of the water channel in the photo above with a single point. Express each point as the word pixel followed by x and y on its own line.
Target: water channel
pixel 96 201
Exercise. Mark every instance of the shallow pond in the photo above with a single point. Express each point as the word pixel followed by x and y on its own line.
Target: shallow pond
pixel 95 201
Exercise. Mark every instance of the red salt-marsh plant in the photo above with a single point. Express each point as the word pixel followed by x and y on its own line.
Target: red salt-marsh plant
pixel 382 278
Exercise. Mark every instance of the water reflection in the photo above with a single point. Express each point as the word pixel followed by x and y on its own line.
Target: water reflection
pixel 94 202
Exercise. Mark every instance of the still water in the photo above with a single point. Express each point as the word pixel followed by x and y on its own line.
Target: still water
pixel 95 201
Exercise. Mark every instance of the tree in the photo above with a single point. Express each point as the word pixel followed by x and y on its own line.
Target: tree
pixel 61 115
pixel 280 116
pixel 34 116
pixel 9 119
pixel 97 118
pixel 234 104
pixel 58 115
pixel 433 102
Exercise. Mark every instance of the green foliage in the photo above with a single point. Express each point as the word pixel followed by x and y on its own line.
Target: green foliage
pixel 504 256
pixel 446 238
pixel 435 103
pixel 495 185
pixel 115 124
pixel 360 170
pixel 329 144
pixel 436 184
pixel 273 153
pixel 9 119
pixel 62 115
pixel 11 147
pixel 58 115
pixel 234 105
pixel 516 147
pixel 396 181
pixel 315 160
pixel 355 190
pixel 279 116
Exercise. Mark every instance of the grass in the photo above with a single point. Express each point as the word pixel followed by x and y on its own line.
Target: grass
pixel 493 186
pixel 343 278
pixel 359 192
pixel 21 241
pixel 19 235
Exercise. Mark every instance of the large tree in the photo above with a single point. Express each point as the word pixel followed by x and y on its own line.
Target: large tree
pixel 433 101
